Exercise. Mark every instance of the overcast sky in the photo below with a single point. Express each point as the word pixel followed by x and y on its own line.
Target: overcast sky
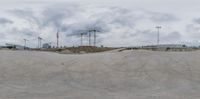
pixel 120 22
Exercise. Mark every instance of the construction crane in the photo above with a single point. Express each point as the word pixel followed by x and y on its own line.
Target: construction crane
pixel 94 31
pixel 89 33
pixel 39 42
pixel 82 34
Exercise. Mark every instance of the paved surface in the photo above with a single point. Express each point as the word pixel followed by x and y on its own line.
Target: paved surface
pixel 116 75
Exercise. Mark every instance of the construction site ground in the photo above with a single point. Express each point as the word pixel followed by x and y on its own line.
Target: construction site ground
pixel 127 74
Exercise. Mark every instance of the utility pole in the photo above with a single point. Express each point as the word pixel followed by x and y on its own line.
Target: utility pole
pixel 25 40
pixel 158 35
pixel 57 35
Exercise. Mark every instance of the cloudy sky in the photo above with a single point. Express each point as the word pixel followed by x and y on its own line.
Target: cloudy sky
pixel 120 22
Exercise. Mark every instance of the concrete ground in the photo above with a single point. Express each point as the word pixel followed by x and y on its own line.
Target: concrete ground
pixel 109 75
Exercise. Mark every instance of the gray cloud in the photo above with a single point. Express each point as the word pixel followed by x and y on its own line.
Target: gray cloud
pixel 72 20
pixel 162 17
pixel 100 21
pixel 197 21
pixel 56 15
pixel 120 17
pixel 171 37
pixel 193 31
pixel 146 36
pixel 5 21
pixel 28 15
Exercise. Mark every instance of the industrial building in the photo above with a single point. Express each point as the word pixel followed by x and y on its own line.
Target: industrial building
pixel 46 45
pixel 14 46
pixel 166 46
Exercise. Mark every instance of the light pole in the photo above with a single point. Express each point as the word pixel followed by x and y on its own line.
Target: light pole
pixel 158 35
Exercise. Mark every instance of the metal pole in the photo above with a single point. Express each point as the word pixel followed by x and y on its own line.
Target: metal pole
pixel 158 34
pixel 57 39
pixel 94 37
pixel 158 38
pixel 38 42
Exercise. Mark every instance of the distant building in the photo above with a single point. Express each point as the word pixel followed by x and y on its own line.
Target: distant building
pixel 166 46
pixel 14 46
pixel 171 46
pixel 46 45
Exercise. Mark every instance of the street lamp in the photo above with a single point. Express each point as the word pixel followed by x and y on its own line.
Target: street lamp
pixel 158 35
